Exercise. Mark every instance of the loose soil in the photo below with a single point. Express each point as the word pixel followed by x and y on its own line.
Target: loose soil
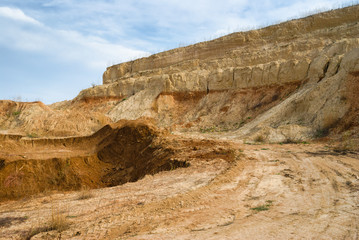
pixel 227 190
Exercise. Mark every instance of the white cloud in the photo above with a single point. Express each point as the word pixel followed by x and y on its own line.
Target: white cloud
pixel 300 9
pixel 103 32
pixel 16 14
pixel 66 45
pixel 94 51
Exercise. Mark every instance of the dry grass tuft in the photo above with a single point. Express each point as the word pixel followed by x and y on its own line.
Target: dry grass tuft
pixel 57 223
pixel 84 194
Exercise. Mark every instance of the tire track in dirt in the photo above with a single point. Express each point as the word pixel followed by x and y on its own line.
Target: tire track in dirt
pixel 267 192
pixel 316 212
pixel 306 193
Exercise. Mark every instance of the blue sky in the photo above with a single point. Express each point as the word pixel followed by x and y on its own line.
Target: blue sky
pixel 52 49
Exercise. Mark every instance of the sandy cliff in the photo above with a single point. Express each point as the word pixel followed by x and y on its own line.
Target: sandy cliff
pixel 296 76
pixel 291 81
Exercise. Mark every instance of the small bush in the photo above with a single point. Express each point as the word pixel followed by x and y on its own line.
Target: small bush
pixel 264 207
pixel 259 138
pixel 207 130
pixel 261 208
pixel 320 133
pixel 32 135
pixel 58 222
pixel 85 194
pixel 293 141
pixel 16 113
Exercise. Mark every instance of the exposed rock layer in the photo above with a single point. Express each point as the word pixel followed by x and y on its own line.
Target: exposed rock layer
pixel 284 82
pixel 300 65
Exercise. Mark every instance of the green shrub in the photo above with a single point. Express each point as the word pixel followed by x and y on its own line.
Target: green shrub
pixel 263 207
pixel 32 135
pixel 16 113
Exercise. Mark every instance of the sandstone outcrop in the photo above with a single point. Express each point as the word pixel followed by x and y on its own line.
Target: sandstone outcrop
pixel 292 75
pixel 287 40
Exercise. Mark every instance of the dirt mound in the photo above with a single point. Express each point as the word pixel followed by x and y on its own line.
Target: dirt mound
pixel 35 119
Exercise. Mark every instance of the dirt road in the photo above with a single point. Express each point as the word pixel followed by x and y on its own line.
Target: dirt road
pixel 291 191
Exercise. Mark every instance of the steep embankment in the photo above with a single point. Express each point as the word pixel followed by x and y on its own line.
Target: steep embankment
pixel 285 82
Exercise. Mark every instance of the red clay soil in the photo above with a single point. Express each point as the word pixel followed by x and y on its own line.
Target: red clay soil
pixel 223 108
pixel 122 152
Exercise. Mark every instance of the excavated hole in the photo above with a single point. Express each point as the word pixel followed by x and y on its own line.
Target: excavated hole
pixel 2 163
pixel 133 153
pixel 122 154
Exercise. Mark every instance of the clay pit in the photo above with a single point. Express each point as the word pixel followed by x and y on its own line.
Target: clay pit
pixel 116 154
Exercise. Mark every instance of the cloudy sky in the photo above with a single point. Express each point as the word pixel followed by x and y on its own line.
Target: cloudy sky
pixel 51 49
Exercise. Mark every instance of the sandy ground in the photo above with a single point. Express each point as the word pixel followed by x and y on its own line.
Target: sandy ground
pixel 292 191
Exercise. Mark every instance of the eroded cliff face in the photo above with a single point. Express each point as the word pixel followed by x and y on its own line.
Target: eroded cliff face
pixel 285 82
pixel 291 81
pixel 290 41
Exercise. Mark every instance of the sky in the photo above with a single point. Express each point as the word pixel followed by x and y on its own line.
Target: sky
pixel 52 49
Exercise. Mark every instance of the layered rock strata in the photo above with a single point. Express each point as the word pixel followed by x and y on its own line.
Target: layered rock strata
pixel 226 83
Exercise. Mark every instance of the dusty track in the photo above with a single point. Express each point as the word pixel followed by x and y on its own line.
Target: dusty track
pixel 302 191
